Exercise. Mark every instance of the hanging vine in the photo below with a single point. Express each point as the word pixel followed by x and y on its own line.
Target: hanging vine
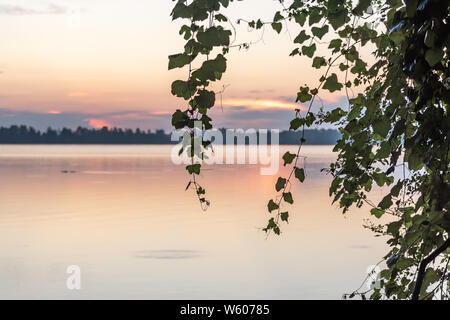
pixel 204 36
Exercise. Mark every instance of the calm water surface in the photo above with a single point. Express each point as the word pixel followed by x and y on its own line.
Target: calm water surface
pixel 122 215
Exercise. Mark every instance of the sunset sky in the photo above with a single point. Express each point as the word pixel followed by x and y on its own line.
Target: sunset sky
pixel 103 62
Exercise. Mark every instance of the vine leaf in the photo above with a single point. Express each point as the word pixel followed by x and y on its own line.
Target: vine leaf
pixel 287 196
pixel 377 212
pixel 433 56
pixel 300 174
pixel 179 60
pixel 194 168
pixel 271 206
pixel 332 84
pixel 281 183
pixel 277 26
pixel 320 32
pixel 288 158
pixel 309 50
pixel 302 37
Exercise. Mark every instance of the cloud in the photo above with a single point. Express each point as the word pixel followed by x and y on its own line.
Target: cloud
pixel 97 123
pixel 245 114
pixel 248 117
pixel 58 119
pixel 261 91
pixel 14 10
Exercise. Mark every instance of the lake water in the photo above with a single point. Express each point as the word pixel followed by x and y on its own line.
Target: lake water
pixel 121 213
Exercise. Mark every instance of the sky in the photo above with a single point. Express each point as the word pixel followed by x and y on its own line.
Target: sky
pixel 94 63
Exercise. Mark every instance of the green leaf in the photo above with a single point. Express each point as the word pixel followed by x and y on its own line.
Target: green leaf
pixel 415 162
pixel 380 178
pixel 359 67
pixel 181 89
pixel 271 206
pixel 288 158
pixel 214 37
pixel 395 191
pixel 181 11
pixel 394 227
pixel 220 17
pixel 381 127
pixel 276 230
pixel 320 32
pixel 211 69
pixel 384 151
pixel 335 115
pixel 277 26
pixel 300 174
pixel 225 3
pixel 434 56
pixel 288 197
pixel 294 52
pixel 179 60
pixel 361 7
pixel 259 24
pixel 205 99
pixel 430 38
pixel 343 67
pixel 314 16
pixel 296 123
pixel 194 169
pixel 337 18
pixel 302 37
pixel 284 216
pixel 335 185
pixel 335 44
pixel 386 202
pixel 206 121
pixel 411 6
pixel 430 277
pixel 318 62
pixel 355 112
pixel 377 212
pixel 187 32
pixel 303 97
pixel 332 84
pixel 278 17
pixel 309 50
pixel 405 263
pixel 397 37
pixel 281 183
pixel 300 18
pixel 272 225
pixel 179 119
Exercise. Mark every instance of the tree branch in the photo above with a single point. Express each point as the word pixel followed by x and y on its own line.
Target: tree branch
pixel 423 265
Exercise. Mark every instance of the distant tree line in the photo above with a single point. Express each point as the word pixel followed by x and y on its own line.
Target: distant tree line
pixel 21 134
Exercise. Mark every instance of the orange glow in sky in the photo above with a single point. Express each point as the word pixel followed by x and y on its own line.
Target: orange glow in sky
pixel 98 123
pixel 262 104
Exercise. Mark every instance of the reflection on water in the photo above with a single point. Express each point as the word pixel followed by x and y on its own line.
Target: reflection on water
pixel 122 215
pixel 168 254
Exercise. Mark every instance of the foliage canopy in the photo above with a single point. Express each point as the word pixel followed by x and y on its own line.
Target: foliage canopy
pixel 399 126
